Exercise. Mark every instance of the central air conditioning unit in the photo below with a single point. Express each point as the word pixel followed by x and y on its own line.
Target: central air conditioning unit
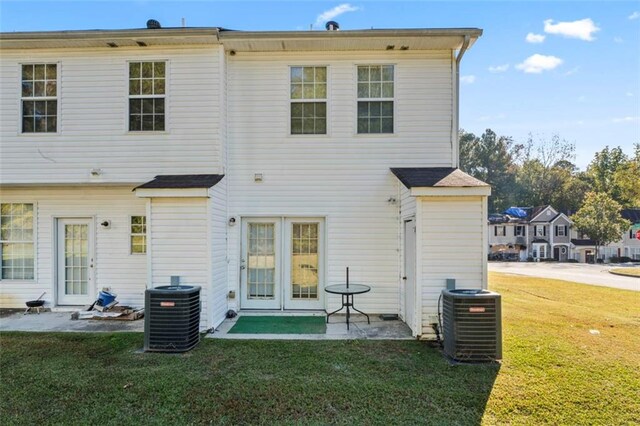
pixel 472 325
pixel 172 318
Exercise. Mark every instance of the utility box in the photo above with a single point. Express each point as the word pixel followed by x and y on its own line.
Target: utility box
pixel 172 318
pixel 472 325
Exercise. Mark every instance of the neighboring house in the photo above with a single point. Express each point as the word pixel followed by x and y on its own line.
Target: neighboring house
pixel 531 232
pixel 258 165
pixel 544 233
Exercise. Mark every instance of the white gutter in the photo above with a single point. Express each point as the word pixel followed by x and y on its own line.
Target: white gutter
pixel 455 143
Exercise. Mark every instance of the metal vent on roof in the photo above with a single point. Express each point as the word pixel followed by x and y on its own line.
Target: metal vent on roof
pixel 152 24
pixel 332 26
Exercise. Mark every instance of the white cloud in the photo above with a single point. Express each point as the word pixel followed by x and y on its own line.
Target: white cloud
pixel 468 79
pixel 629 94
pixel 535 38
pixel 634 15
pixel 537 63
pixel 582 98
pixel 572 71
pixel 626 119
pixel 499 68
pixel 328 15
pixel 582 29
pixel 618 40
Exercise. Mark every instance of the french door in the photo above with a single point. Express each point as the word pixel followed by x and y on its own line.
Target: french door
pixel 282 263
pixel 75 261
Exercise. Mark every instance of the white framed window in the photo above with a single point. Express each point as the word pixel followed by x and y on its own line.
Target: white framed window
pixel 17 241
pixel 499 231
pixel 138 234
pixel 375 99
pixel 560 231
pixel 540 231
pixel 39 98
pixel 147 92
pixel 308 94
pixel 543 252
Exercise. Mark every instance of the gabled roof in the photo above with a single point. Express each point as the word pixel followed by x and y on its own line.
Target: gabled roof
pixel 632 215
pixel 181 182
pixel 421 177
pixel 537 211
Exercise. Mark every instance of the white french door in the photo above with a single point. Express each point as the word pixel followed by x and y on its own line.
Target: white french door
pixel 75 261
pixel 260 264
pixel 282 263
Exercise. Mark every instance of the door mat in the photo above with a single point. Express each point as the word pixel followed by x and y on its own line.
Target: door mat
pixel 279 325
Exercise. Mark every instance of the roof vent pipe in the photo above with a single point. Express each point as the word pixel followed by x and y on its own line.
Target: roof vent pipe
pixel 332 26
pixel 152 24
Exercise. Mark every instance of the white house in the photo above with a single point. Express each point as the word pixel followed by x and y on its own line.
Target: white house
pixel 258 165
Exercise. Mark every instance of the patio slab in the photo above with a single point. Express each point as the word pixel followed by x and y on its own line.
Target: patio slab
pixel 61 321
pixel 336 330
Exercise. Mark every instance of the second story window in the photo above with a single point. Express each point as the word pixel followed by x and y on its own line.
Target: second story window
pixel 561 231
pixel 375 99
pixel 147 90
pixel 39 98
pixel 499 231
pixel 518 231
pixel 308 100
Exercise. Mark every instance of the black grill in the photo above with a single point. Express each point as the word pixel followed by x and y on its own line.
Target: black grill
pixel 172 318
pixel 472 325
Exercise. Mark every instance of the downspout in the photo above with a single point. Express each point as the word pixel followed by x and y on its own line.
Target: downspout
pixel 455 149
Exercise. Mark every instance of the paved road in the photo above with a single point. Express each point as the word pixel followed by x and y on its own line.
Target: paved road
pixel 576 272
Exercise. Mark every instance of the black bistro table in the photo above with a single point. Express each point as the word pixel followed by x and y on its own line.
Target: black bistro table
pixel 347 291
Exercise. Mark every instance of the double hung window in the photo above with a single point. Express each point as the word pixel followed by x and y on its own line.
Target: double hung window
pixel 147 92
pixel 39 99
pixel 17 241
pixel 308 100
pixel 375 98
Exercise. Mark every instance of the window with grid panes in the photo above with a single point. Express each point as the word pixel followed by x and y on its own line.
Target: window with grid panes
pixel 147 91
pixel 16 241
pixel 39 100
pixel 375 99
pixel 308 100
pixel 138 234
pixel 304 261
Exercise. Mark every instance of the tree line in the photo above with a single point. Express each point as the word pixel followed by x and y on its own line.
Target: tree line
pixel 542 171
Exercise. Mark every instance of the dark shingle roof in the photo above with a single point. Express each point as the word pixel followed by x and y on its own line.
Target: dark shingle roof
pixel 413 177
pixel 181 181
pixel 540 240
pixel 583 242
pixel 632 215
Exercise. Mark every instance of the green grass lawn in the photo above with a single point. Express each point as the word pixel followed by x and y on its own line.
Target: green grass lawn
pixel 632 272
pixel 554 372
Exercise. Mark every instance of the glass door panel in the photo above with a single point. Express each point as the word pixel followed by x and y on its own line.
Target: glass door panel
pixel 75 261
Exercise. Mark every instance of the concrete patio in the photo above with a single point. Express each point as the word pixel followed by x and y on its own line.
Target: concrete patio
pixel 14 320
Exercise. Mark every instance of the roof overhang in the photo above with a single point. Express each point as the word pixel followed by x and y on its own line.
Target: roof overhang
pixel 111 39
pixel 180 186
pixel 440 182
pixel 383 39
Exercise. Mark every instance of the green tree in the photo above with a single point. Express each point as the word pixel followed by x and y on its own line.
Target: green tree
pixel 626 179
pixel 491 158
pixel 599 218
pixel 602 171
pixel 547 174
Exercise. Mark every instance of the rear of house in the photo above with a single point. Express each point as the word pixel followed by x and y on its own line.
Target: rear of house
pixel 258 165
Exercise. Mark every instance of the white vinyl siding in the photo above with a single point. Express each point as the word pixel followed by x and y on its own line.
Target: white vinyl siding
pixel 179 244
pixel 344 179
pixel 443 257
pixel 218 304
pixel 93 121
pixel 114 267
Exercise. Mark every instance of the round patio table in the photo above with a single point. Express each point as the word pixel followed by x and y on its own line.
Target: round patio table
pixel 347 291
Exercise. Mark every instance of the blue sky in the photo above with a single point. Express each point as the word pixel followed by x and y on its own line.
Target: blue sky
pixel 571 68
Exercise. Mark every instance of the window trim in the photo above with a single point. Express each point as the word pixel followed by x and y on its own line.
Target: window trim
pixel 167 97
pixel 58 98
pixel 521 234
pixel 35 244
pixel 326 101
pixel 558 228
pixel 146 235
pixel 357 99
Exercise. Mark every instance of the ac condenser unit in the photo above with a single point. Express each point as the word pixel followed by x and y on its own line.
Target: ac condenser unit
pixel 472 325
pixel 172 318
